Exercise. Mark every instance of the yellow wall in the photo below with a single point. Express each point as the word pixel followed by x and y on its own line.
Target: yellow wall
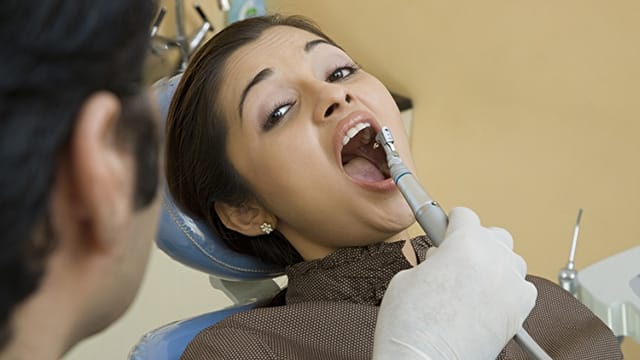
pixel 524 111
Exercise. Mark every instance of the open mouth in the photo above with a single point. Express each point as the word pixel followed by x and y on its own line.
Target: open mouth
pixel 361 160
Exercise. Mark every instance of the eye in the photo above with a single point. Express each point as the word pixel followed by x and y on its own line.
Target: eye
pixel 342 72
pixel 276 115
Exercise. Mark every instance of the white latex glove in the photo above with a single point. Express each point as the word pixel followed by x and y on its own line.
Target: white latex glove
pixel 465 301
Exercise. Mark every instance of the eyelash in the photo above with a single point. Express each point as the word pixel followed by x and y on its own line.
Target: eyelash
pixel 351 67
pixel 273 117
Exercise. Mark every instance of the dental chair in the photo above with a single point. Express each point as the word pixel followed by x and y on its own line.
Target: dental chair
pixel 247 281
pixel 611 289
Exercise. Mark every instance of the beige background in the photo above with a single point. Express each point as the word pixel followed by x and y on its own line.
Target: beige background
pixel 524 111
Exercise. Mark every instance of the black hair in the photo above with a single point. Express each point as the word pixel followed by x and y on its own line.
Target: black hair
pixel 54 55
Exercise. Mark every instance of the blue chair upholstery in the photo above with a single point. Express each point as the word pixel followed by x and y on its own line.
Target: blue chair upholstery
pixel 245 279
pixel 191 241
pixel 169 341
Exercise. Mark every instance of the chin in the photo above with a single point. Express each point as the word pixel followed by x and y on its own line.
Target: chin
pixel 400 219
pixel 408 220
pixel 402 208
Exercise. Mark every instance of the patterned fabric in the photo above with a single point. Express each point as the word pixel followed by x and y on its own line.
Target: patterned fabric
pixel 359 275
pixel 332 305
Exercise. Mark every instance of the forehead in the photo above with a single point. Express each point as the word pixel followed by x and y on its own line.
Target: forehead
pixel 276 47
pixel 273 45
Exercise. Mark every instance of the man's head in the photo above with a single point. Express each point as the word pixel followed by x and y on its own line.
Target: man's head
pixel 78 152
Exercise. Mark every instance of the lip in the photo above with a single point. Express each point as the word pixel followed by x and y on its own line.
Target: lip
pixel 340 132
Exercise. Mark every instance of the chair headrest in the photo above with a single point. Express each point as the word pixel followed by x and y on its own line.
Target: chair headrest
pixel 191 241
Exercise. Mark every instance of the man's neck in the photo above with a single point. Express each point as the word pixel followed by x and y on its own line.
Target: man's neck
pixel 41 327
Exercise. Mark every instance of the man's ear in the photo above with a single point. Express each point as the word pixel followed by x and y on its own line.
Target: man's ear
pixel 245 219
pixel 102 171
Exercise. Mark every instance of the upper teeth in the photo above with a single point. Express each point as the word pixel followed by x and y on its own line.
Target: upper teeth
pixel 355 130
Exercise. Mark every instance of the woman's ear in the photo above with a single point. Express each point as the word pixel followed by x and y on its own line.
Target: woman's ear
pixel 245 219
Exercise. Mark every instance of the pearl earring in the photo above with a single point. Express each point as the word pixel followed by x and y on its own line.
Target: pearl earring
pixel 266 228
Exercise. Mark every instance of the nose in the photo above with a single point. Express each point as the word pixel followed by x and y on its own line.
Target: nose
pixel 334 99
pixel 336 105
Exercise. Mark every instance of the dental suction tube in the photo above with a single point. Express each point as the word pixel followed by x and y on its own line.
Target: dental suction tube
pixel 433 219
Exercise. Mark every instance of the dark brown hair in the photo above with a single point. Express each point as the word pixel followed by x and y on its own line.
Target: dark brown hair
pixel 197 168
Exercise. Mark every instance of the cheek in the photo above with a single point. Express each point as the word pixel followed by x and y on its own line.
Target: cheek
pixel 285 168
pixel 144 230
pixel 260 163
pixel 376 96
pixel 386 108
pixel 282 163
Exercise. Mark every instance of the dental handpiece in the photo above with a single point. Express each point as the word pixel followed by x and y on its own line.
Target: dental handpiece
pixel 433 219
pixel 428 212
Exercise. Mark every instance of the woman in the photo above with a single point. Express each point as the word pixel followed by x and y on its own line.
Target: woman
pixel 270 139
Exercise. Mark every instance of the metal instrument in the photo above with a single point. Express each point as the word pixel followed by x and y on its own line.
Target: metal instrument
pixel 568 276
pixel 184 43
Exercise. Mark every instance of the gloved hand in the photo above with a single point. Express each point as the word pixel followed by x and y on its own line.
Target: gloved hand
pixel 465 301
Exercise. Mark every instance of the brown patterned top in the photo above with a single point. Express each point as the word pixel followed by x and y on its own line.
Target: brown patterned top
pixel 332 305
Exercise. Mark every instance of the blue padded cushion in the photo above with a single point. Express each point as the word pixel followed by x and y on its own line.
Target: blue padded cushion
pixel 191 241
pixel 170 341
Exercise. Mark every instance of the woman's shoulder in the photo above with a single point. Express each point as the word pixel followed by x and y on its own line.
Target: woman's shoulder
pixel 310 330
pixel 565 327
pixel 227 342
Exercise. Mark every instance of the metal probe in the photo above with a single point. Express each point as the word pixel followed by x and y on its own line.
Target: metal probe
pixel 568 276
pixel 433 219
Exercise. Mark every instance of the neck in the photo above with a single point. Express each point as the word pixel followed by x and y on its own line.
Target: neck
pixel 407 248
pixel 314 250
pixel 40 331
pixel 49 322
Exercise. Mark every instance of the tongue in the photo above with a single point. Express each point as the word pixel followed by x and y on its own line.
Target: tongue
pixel 362 169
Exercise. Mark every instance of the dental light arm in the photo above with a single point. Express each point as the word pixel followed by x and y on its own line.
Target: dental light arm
pixel 433 219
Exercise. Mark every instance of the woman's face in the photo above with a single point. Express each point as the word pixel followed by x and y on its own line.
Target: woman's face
pixel 291 100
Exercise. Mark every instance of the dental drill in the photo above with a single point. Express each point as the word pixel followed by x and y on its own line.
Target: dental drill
pixel 433 219
pixel 428 212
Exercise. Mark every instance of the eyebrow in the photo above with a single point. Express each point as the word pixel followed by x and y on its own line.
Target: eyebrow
pixel 313 43
pixel 265 73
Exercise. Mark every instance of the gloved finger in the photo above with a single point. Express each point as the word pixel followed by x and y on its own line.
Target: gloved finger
pixel 530 293
pixel 432 250
pixel 461 217
pixel 520 265
pixel 503 236
pixel 522 296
